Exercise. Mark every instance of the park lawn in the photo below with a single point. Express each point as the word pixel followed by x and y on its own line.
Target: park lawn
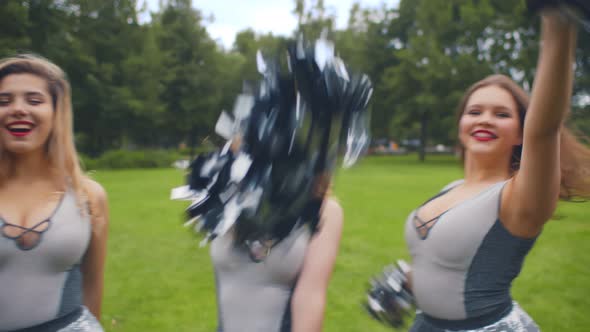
pixel 158 279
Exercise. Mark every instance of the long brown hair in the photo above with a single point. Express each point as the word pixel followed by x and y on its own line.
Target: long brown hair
pixel 574 155
pixel 61 152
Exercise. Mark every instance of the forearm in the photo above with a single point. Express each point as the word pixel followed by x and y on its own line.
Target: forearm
pixel 93 278
pixel 409 281
pixel 309 298
pixel 553 84
pixel 307 311
pixel 93 300
pixel 94 260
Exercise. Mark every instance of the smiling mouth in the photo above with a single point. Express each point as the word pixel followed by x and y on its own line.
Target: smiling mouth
pixel 20 129
pixel 484 135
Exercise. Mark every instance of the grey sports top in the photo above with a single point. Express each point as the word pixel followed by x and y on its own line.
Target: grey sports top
pixel 255 297
pixel 462 269
pixel 43 283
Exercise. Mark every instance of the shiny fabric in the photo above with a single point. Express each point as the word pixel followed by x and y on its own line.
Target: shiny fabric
pixel 85 323
pixel 516 321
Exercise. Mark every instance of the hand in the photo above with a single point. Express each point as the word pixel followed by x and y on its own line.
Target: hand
pixel 555 18
pixel 390 299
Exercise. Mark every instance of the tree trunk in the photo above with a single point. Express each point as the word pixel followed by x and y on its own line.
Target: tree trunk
pixel 423 136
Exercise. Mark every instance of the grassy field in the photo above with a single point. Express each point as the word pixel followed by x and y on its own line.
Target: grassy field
pixel 158 279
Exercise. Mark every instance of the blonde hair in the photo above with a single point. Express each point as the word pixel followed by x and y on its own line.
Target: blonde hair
pixel 60 148
pixel 574 155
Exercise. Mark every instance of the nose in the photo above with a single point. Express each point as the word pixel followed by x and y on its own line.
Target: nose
pixel 485 118
pixel 19 108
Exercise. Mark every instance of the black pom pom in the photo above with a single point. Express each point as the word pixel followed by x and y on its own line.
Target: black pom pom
pixel 284 139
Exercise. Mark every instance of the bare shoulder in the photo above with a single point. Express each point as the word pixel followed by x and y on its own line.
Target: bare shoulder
pixel 332 214
pixel 97 197
pixel 94 190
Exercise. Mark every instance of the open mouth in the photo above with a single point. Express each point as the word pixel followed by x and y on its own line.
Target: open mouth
pixel 484 135
pixel 20 128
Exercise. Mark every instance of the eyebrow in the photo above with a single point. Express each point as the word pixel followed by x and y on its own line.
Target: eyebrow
pixel 34 94
pixel 27 94
pixel 495 107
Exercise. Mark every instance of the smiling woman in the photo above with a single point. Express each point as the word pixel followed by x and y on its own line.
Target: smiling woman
pixel 468 243
pixel 490 116
pixel 53 219
pixel 26 93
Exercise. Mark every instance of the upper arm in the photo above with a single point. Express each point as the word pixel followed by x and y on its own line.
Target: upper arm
pixel 98 210
pixel 97 201
pixel 321 253
pixel 532 195
pixel 94 259
pixel 530 198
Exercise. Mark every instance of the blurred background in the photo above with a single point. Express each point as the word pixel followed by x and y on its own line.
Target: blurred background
pixel 151 77
pixel 153 74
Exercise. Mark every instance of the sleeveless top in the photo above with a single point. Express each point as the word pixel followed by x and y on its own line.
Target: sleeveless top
pixel 463 266
pixel 255 296
pixel 43 282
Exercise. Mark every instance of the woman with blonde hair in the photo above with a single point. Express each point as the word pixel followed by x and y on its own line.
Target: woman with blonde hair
pixel 53 218
pixel 468 243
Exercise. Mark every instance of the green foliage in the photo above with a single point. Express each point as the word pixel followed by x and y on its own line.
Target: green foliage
pixel 13 31
pixel 313 20
pixel 162 83
pixel 88 163
pixel 121 159
pixel 580 121
pixel 191 92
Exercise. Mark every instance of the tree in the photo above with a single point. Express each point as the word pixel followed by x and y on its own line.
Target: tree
pixel 165 82
pixel 103 35
pixel 191 88
pixel 444 47
pixel 313 20
pixel 13 32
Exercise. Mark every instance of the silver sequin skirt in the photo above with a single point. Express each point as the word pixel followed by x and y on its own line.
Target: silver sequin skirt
pixel 85 323
pixel 515 321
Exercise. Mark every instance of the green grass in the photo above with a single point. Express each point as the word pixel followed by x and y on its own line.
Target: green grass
pixel 158 279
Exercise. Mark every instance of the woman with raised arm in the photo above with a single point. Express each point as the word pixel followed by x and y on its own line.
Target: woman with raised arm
pixel 468 242
pixel 53 218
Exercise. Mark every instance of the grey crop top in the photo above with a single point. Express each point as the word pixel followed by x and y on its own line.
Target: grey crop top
pixel 255 296
pixel 43 283
pixel 463 268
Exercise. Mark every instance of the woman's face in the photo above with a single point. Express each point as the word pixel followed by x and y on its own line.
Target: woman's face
pixel 26 113
pixel 490 123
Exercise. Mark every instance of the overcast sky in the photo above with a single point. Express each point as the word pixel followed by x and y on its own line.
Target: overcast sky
pixel 232 16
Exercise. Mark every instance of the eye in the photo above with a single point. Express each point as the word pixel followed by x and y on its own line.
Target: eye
pixel 4 100
pixel 474 112
pixel 35 101
pixel 503 115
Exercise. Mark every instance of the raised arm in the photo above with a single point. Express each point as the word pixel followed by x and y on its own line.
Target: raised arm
pixel 531 197
pixel 309 299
